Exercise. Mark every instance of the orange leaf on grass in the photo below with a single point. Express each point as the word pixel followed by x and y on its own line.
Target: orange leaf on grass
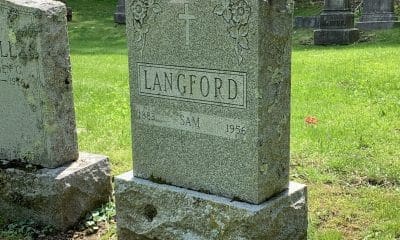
pixel 311 120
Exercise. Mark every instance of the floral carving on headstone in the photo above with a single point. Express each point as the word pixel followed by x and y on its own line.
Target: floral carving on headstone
pixel 236 14
pixel 143 11
pixel 12 15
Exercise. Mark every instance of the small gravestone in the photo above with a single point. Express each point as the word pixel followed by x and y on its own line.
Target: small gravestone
pixel 377 14
pixel 210 90
pixel 119 15
pixel 336 24
pixel 37 123
pixel 41 175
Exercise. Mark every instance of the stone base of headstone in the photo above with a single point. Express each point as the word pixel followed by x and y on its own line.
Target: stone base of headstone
pixel 59 197
pixel 148 210
pixel 336 36
pixel 119 15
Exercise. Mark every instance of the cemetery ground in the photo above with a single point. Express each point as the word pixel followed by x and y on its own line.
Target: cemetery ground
pixel 345 125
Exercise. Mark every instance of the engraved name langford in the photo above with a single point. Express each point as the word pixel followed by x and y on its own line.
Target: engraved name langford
pixel 193 85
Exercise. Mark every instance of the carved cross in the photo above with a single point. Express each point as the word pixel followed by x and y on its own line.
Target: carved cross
pixel 187 17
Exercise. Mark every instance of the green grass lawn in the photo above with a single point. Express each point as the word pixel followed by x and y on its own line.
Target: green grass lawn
pixel 350 159
pixel 100 72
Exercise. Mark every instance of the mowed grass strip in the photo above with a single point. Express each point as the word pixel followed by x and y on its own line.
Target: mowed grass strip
pixel 348 212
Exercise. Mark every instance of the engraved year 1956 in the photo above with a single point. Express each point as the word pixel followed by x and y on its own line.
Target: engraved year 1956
pixel 235 129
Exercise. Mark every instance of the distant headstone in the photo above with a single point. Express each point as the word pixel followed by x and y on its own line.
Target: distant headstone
pixel 377 14
pixel 119 15
pixel 306 22
pixel 42 178
pixel 210 90
pixel 336 24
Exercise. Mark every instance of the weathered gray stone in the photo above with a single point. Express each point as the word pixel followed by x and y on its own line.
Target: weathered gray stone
pixel 377 14
pixel 147 210
pixel 37 123
pixel 336 24
pixel 210 87
pixel 119 15
pixel 57 197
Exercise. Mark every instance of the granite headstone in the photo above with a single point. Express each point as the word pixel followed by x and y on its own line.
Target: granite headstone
pixel 336 24
pixel 210 98
pixel 210 105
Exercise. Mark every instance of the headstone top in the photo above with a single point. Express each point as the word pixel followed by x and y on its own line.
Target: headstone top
pixel 37 123
pixel 34 5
